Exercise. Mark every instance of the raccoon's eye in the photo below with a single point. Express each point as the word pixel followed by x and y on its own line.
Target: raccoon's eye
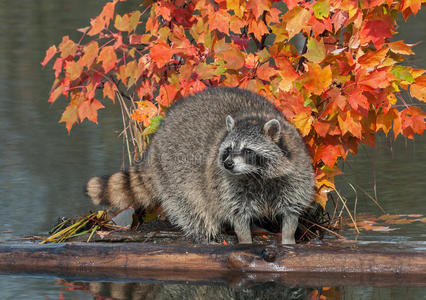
pixel 247 152
pixel 226 153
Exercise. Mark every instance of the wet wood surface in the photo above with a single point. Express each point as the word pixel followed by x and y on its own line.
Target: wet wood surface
pixel 295 264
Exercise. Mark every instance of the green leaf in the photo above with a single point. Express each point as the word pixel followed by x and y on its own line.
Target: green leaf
pixel 402 73
pixel 316 50
pixel 153 126
pixel 321 9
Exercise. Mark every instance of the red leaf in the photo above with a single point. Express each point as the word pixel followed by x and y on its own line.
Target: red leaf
pixel 376 31
pixel 328 154
pixel 89 109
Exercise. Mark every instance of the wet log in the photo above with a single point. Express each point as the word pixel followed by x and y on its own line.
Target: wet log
pixel 294 264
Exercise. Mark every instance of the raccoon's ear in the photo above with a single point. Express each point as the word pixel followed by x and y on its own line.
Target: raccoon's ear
pixel 229 123
pixel 272 129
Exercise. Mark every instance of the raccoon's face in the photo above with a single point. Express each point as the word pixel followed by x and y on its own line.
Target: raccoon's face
pixel 253 147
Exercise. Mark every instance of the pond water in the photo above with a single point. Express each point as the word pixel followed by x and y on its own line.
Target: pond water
pixel 43 170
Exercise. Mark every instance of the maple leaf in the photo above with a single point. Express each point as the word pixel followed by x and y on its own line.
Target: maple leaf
pixel 167 95
pixel 317 79
pixel 70 116
pixel 328 154
pixel 234 60
pixel 350 121
pixel 89 109
pixel 73 70
pixel 287 74
pixel 128 22
pixel 401 48
pixel 108 58
pixel 67 47
pixel 321 9
pixel 296 19
pixel 384 121
pixel 265 72
pixel 316 50
pixel 418 89
pixel 220 21
pixel 357 99
pixel 90 54
pixel 109 90
pixel 56 93
pixel 376 31
pixel 161 53
pixel 145 111
pixel 258 7
pixel 373 58
pixel 49 54
pixel 303 122
pixel 258 28
pixel 377 79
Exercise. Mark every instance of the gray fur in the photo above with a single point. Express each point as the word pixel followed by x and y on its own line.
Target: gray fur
pixel 221 156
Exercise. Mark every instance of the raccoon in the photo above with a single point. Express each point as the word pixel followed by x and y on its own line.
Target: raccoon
pixel 221 156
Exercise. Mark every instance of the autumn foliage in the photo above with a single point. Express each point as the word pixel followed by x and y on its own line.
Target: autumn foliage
pixel 328 65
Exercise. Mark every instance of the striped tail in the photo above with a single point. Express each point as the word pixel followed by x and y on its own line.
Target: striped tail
pixel 120 190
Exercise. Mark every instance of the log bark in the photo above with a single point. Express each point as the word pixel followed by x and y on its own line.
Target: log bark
pixel 295 264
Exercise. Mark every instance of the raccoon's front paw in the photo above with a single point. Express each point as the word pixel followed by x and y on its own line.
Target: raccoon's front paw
pixel 288 241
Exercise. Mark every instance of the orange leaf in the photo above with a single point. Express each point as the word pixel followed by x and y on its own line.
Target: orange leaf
pixel 384 121
pixel 89 109
pixel 373 58
pixel 96 25
pixel 296 18
pixel 67 47
pixel 73 70
pixel 418 88
pixel 108 58
pixel 258 7
pixel 258 28
pixel 109 91
pixel 90 53
pixel 265 72
pixel 328 154
pixel 220 21
pixel 167 95
pixel 318 79
pixel 56 93
pixel 303 122
pixel 128 22
pixel 161 53
pixel 49 54
pixel 400 47
pixel 145 111
pixel 287 72
pixel 234 60
pixel 375 79
pixel 350 121
pixel 70 116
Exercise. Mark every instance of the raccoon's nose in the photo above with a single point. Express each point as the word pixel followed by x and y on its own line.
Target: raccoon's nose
pixel 228 164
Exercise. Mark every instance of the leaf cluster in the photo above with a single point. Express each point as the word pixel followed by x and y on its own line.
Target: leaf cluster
pixel 345 84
